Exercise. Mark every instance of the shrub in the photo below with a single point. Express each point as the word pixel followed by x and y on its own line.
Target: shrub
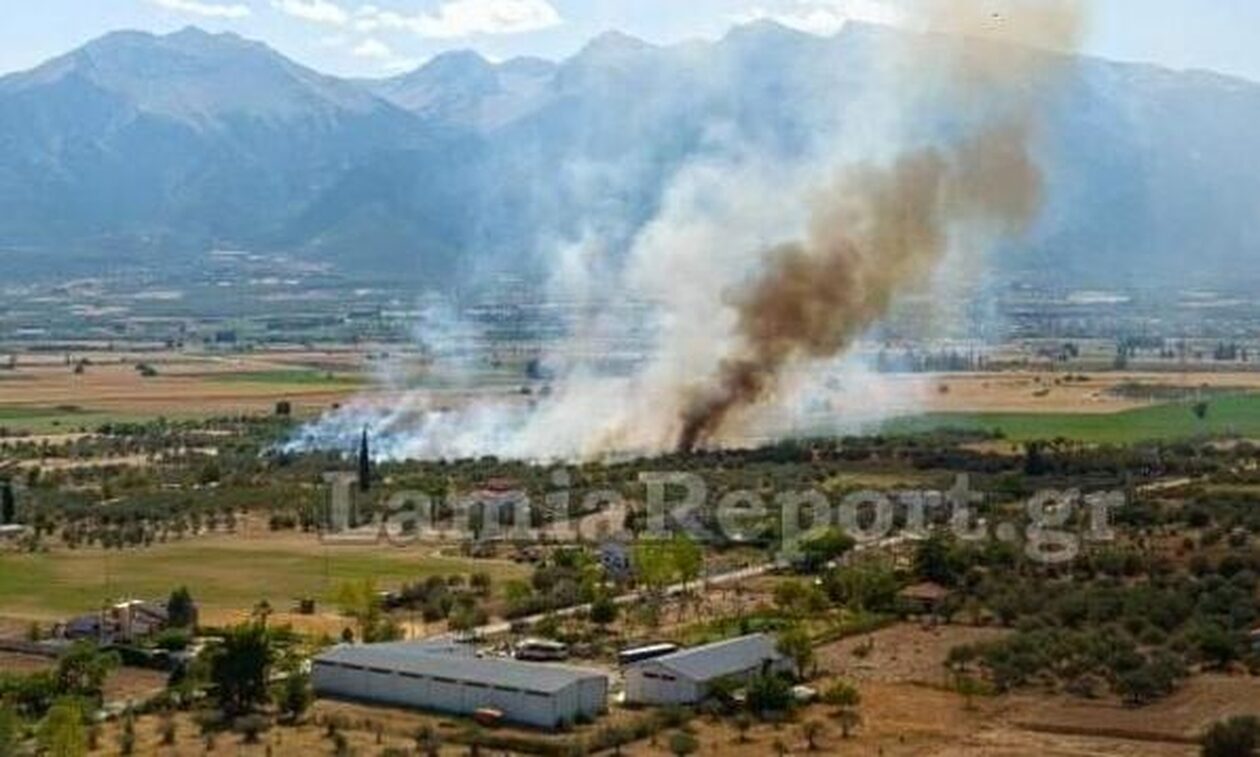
pixel 682 743
pixel 251 727
pixel 1235 737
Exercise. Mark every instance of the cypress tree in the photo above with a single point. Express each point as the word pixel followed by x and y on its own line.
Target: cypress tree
pixel 365 464
pixel 8 505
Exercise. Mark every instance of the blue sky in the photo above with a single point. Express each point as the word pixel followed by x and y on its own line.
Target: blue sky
pixel 374 37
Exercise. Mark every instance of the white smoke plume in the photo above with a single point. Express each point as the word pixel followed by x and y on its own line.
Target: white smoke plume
pixel 738 324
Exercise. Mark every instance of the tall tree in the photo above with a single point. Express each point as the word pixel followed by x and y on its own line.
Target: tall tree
pixel 181 611
pixel 688 559
pixel 796 644
pixel 81 672
pixel 365 463
pixel 8 505
pixel 240 667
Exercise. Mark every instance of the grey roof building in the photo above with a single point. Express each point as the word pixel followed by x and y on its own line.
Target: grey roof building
pixel 685 677
pixel 436 678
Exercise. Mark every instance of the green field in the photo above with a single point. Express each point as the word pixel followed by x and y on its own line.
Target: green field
pixel 1235 415
pixel 297 378
pixel 44 420
pixel 223 575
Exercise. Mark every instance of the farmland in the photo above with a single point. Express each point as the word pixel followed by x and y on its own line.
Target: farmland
pixel 51 394
pixel 228 573
pixel 1237 415
pixel 44 394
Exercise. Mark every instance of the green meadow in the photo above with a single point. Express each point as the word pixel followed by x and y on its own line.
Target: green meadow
pixel 1236 415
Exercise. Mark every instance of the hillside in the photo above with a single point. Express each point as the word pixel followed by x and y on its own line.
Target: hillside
pixel 149 148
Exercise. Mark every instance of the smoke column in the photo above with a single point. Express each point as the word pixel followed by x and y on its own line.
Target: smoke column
pixel 737 319
pixel 880 230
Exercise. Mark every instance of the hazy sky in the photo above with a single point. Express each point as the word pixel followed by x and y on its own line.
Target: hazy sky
pixel 373 37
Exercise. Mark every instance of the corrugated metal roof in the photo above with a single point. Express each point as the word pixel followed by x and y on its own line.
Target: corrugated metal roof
pixel 424 659
pixel 723 658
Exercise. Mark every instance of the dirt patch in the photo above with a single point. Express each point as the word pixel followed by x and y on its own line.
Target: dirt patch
pixel 1182 716
pixel 16 662
pixel 903 653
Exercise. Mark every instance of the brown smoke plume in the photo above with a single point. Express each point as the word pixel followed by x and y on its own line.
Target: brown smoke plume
pixel 880 229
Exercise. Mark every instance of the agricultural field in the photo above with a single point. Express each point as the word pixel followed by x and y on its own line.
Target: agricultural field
pixel 44 394
pixel 228 573
pixel 1233 415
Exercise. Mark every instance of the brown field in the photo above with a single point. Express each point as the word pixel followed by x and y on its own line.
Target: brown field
pixel 44 396
pixel 190 385
pixel 903 653
pixel 184 386
pixel 1018 392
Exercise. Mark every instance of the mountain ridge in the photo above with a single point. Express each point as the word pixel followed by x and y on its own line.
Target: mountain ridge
pixel 157 146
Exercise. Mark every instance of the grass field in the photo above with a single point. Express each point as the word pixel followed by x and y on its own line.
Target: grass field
pixel 288 378
pixel 225 574
pixel 1234 415
pixel 39 419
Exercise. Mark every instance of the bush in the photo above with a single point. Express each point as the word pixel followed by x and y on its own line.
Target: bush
pixel 769 693
pixel 682 743
pixel 251 727
pixel 1236 737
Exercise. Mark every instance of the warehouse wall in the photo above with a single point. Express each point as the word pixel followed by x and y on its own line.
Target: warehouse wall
pixel 647 683
pixel 585 697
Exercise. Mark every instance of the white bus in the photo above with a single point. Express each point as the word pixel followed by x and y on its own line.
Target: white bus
pixel 541 650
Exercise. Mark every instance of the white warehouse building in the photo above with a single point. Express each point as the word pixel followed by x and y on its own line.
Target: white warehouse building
pixel 685 677
pixel 436 678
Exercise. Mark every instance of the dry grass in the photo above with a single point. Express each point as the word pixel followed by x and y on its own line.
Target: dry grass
pixel 1018 392
pixel 184 386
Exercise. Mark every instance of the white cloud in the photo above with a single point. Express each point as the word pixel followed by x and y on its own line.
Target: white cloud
pixel 383 55
pixel 825 16
pixel 373 49
pixel 208 10
pixel 317 11
pixel 462 18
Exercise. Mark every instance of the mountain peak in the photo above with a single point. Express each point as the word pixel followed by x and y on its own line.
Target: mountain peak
pixel 457 60
pixel 613 43
pixel 762 27
pixel 195 76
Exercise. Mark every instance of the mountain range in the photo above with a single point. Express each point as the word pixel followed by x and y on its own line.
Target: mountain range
pixel 151 150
